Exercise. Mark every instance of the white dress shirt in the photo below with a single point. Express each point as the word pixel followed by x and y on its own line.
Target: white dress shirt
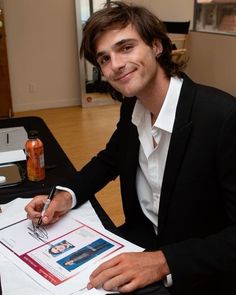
pixel 152 159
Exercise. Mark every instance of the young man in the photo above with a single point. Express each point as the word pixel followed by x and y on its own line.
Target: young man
pixel 174 150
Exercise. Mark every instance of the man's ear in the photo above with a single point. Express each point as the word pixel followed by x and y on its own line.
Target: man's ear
pixel 157 48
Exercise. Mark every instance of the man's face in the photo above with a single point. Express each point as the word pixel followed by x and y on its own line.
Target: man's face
pixel 58 249
pixel 128 63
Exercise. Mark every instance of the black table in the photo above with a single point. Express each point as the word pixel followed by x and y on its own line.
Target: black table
pixel 58 167
pixel 55 158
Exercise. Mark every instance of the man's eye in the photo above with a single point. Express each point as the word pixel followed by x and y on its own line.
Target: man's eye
pixel 103 60
pixel 127 48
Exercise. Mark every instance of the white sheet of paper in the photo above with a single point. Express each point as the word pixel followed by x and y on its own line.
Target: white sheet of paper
pixel 12 143
pixel 12 139
pixel 12 156
pixel 32 256
pixel 13 211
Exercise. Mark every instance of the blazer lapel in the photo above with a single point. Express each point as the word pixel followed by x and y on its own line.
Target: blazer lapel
pixel 179 139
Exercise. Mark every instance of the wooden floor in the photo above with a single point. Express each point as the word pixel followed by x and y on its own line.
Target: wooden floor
pixel 82 132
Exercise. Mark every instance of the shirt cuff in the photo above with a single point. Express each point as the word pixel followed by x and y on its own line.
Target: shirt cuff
pixel 62 188
pixel 167 281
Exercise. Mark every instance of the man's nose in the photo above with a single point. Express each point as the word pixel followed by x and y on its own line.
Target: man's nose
pixel 117 62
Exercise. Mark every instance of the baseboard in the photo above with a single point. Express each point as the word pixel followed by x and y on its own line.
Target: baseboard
pixel 22 107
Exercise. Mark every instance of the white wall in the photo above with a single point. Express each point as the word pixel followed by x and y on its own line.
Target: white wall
pixel 42 52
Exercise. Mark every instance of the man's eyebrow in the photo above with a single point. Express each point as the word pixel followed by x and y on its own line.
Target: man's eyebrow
pixel 117 44
pixel 123 41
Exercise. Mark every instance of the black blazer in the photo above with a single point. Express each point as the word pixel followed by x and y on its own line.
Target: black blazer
pixel 197 214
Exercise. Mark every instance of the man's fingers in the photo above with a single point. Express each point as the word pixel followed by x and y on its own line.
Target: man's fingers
pixel 129 271
pixel 35 207
pixel 118 282
pixel 106 265
pixel 104 275
pixel 58 207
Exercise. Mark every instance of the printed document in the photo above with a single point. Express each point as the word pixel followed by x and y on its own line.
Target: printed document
pixel 60 257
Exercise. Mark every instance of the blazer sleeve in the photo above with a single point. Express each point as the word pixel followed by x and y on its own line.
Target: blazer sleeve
pixel 105 166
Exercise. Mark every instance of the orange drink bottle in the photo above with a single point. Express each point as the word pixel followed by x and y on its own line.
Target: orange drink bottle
pixel 35 157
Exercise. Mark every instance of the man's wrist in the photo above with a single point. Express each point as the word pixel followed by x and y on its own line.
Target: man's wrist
pixel 167 277
pixel 73 198
pixel 164 266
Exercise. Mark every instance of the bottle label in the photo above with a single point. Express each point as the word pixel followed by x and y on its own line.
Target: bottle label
pixel 35 163
pixel 41 161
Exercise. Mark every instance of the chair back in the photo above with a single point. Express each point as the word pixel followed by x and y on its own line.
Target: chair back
pixel 178 33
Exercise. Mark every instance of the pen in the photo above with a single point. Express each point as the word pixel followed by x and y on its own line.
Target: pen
pixel 48 201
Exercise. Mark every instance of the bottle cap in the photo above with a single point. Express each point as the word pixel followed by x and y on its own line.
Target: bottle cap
pixel 32 134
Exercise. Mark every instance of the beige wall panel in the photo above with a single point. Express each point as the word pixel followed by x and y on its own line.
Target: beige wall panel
pixel 176 10
pixel 212 60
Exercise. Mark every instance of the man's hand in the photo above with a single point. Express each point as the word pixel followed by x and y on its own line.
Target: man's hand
pixel 130 271
pixel 59 206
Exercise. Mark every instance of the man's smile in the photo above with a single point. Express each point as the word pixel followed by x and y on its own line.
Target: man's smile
pixel 124 76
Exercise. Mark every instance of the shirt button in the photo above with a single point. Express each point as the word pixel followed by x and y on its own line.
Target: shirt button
pixel 154 132
pixel 155 195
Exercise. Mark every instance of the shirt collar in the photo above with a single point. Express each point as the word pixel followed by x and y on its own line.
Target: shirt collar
pixel 166 117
